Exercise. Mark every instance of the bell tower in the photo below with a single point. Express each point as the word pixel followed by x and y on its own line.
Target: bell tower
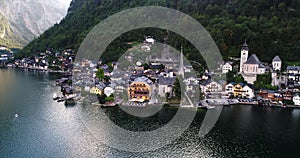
pixel 244 56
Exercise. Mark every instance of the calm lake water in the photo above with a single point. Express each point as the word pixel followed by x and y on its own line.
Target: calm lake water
pixel 45 128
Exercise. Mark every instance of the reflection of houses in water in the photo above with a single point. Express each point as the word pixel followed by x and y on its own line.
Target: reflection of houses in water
pixel 140 89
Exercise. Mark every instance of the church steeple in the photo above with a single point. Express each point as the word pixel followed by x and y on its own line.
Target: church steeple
pixel 245 46
pixel 181 65
pixel 244 55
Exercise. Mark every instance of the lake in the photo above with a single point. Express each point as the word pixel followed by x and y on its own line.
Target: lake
pixel 45 128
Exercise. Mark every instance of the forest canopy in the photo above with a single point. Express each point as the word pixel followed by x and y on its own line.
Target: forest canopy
pixel 271 27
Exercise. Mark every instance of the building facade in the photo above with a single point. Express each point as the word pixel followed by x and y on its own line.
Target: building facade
pixel 140 90
pixel 244 56
pixel 276 63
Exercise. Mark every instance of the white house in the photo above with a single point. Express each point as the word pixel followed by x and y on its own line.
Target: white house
pixel 296 99
pixel 191 80
pixel 226 68
pixel 191 84
pixel 276 63
pixel 249 92
pixel 165 85
pixel 229 88
pixel 293 70
pixel 239 89
pixel 210 86
pixel 150 40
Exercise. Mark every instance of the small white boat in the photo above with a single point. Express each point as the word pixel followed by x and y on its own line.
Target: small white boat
pixel 211 107
pixel 16 115
pixel 55 97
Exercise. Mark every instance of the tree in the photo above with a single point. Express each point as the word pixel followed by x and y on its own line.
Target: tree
pixel 109 99
pixel 177 89
pixel 264 81
pixel 100 74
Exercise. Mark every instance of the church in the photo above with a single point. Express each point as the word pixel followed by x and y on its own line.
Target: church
pixel 250 67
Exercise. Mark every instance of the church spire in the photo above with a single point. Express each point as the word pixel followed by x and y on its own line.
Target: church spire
pixel 181 65
pixel 245 45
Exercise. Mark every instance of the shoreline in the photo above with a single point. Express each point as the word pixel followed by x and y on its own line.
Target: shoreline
pixel 215 102
pixel 40 69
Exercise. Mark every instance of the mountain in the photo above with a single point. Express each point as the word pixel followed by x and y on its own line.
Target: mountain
pixel 271 27
pixel 23 20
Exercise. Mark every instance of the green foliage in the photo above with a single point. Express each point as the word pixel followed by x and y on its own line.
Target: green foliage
pixel 233 77
pixel 177 89
pixel 264 81
pixel 270 27
pixel 100 74
pixel 288 102
pixel 109 99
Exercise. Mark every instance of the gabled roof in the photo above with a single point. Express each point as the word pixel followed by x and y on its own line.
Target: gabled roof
pixel 253 59
pixel 261 66
pixel 100 86
pixel 207 82
pixel 293 68
pixel 277 58
pixel 166 80
pixel 143 79
pixel 232 83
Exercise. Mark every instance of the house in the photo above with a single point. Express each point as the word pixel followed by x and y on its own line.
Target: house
pixel 276 63
pixel 229 88
pixel 296 99
pixel 249 92
pixel 140 90
pixel 108 91
pixel 165 85
pixel 98 89
pixel 191 84
pixel 210 86
pixel 293 69
pixel 243 90
pixel 287 95
pixel 226 68
pixel 271 95
pixel 294 77
pixel 150 40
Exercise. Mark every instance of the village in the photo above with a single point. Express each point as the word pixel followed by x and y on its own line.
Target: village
pixel 155 80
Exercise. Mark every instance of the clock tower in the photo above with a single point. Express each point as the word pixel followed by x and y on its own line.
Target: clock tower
pixel 244 56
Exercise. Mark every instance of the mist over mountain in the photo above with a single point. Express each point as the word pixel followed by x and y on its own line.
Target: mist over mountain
pixel 23 20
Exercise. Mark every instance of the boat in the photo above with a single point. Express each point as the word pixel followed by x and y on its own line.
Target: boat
pixel 16 115
pixel 71 96
pixel 201 106
pixel 55 97
pixel 61 99
pixel 210 107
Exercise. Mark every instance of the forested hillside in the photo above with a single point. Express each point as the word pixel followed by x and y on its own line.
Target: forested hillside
pixel 271 27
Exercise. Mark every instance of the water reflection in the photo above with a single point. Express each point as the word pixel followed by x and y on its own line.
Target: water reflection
pixel 48 129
